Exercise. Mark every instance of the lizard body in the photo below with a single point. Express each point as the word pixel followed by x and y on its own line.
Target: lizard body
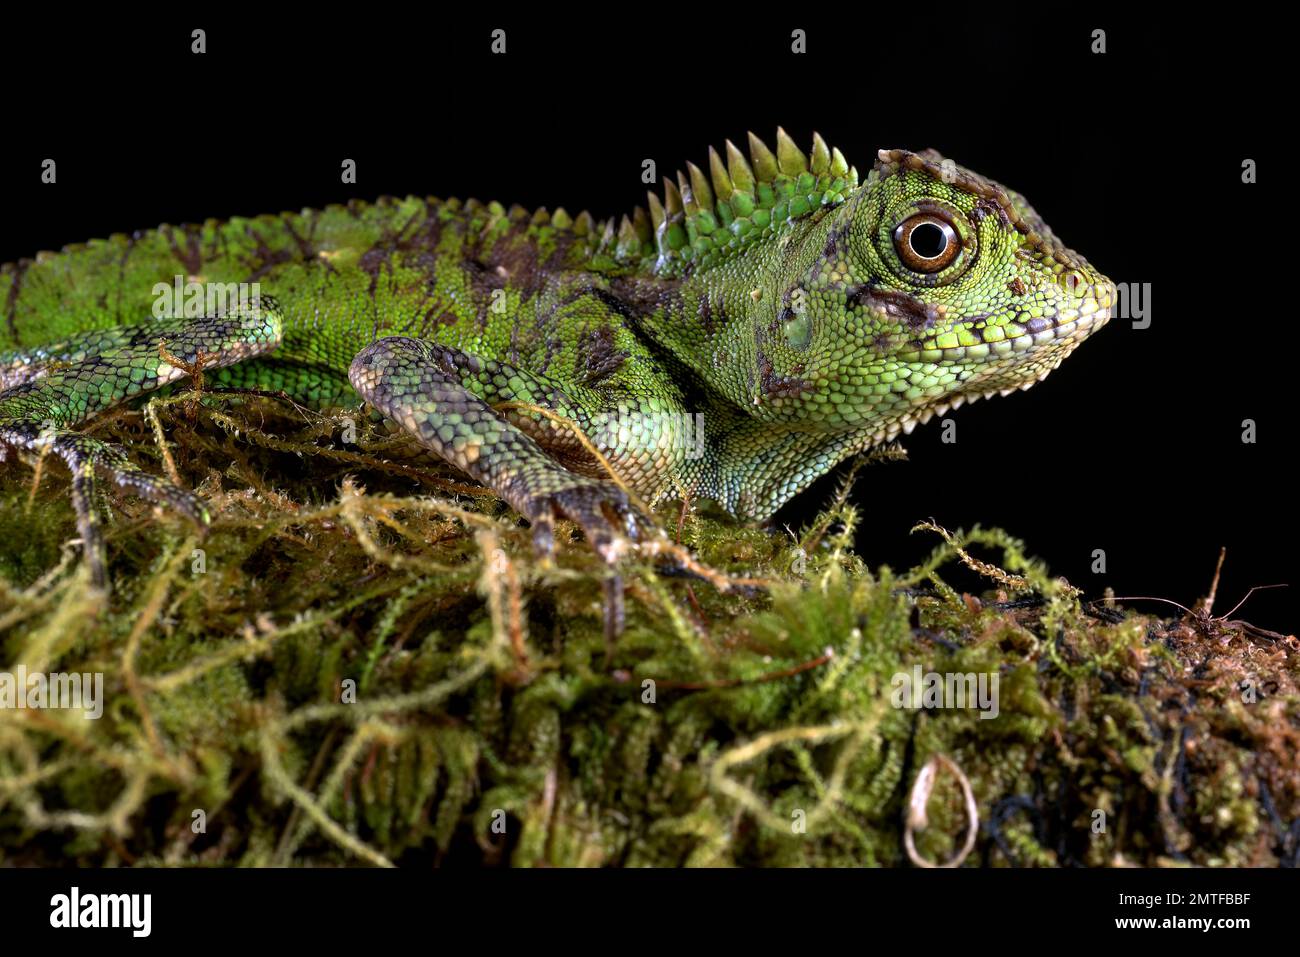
pixel 735 340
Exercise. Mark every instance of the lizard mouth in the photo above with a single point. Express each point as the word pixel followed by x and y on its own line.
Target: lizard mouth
pixel 1016 339
pixel 1017 363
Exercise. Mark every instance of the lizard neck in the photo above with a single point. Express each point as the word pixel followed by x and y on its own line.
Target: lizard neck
pixel 716 322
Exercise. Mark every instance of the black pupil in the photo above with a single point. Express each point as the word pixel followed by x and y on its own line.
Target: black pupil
pixel 928 240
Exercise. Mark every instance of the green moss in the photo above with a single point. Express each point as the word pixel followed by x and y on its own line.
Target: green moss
pixel 338 676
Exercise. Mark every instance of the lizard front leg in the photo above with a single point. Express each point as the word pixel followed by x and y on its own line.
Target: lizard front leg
pixel 444 398
pixel 48 392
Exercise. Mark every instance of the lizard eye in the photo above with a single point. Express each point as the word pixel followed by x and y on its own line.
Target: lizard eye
pixel 926 242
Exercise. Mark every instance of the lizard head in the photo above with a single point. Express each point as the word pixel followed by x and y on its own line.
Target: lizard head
pixel 929 287
pixel 812 299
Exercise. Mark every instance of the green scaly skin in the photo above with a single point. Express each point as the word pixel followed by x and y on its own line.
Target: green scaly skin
pixel 759 324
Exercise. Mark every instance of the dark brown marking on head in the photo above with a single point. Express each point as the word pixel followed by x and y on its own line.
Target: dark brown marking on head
pixel 987 207
pixel 1017 286
pixel 896 303
pixel 882 343
pixel 774 385
pixel 834 240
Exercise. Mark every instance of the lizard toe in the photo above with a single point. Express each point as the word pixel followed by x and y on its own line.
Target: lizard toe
pixel 543 535
pixel 87 458
pixel 600 509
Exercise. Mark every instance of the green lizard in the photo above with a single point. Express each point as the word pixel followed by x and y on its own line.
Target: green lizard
pixel 734 340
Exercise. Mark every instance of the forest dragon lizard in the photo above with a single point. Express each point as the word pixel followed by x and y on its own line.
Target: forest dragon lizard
pixel 734 340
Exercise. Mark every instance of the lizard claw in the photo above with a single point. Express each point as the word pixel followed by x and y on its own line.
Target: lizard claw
pixel 601 509
pixel 86 458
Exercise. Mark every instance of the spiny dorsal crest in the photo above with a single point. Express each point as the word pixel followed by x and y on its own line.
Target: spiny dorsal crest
pixel 703 216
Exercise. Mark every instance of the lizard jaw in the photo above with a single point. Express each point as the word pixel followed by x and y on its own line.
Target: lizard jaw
pixel 1056 343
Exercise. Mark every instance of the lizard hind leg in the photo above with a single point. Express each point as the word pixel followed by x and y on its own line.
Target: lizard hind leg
pixel 444 397
pixel 66 383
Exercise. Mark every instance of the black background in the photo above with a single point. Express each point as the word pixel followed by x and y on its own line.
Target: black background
pixel 1134 157
pixel 775 911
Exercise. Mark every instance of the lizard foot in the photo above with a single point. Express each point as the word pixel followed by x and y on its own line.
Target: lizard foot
pixel 86 458
pixel 441 396
pixel 601 509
